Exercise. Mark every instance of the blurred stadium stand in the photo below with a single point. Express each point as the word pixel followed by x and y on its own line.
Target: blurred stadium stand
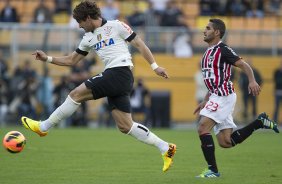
pixel 259 38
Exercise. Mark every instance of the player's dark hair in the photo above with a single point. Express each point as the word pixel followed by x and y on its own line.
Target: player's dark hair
pixel 86 8
pixel 218 25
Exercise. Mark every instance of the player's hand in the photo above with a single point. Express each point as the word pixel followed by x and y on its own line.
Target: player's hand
pixel 161 72
pixel 200 107
pixel 40 55
pixel 254 88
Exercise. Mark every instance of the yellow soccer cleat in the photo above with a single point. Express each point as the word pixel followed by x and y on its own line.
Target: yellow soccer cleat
pixel 168 157
pixel 33 126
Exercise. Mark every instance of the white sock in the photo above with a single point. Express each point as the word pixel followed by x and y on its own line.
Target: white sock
pixel 64 111
pixel 143 134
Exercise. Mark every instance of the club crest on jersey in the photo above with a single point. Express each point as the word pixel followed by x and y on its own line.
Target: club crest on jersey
pixel 104 43
pixel 108 30
pixel 99 37
pixel 210 60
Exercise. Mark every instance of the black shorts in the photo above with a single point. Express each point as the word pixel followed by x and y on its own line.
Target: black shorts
pixel 115 84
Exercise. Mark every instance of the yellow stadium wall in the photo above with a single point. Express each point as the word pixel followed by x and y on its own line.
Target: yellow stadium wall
pixel 182 87
pixel 180 84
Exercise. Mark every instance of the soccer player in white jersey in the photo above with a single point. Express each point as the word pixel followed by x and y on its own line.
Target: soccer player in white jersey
pixel 109 40
pixel 218 105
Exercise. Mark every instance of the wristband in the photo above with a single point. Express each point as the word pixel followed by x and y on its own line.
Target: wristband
pixel 49 59
pixel 154 66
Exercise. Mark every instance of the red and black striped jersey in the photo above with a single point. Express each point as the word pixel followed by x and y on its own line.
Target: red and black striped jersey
pixel 216 67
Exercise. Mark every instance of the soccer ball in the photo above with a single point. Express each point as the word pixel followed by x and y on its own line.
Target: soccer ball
pixel 14 141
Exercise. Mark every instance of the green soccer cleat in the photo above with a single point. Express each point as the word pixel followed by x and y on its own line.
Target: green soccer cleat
pixel 267 123
pixel 33 126
pixel 207 173
pixel 168 157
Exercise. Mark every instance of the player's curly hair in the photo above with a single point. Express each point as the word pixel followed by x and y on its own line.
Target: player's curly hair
pixel 218 24
pixel 86 8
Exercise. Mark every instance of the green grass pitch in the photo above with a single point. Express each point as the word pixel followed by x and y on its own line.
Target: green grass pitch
pixel 106 156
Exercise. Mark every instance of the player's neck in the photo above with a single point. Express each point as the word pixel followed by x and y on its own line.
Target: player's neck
pixel 214 42
pixel 97 23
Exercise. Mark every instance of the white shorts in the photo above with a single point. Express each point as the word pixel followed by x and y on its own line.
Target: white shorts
pixel 220 109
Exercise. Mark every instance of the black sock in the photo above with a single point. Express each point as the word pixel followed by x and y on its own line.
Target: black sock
pixel 209 151
pixel 242 134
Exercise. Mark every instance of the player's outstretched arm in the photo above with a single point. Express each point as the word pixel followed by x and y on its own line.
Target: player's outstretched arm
pixel 68 60
pixel 40 55
pixel 138 43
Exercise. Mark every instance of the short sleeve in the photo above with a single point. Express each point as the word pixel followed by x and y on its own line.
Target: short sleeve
pixel 124 30
pixel 229 55
pixel 84 45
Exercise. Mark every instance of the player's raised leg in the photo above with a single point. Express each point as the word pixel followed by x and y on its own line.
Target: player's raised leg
pixel 168 156
pixel 268 123
pixel 65 110
pixel 262 121
pixel 62 112
pixel 33 126
pixel 143 134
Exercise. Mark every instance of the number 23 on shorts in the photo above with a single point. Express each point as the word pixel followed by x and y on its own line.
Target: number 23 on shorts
pixel 211 106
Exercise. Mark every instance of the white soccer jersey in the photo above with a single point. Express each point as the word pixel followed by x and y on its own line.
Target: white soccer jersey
pixel 109 42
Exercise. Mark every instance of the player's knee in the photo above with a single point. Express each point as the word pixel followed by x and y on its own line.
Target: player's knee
pixel 225 143
pixel 74 95
pixel 202 130
pixel 123 128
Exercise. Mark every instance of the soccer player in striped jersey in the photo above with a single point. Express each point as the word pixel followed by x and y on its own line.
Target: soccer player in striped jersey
pixel 217 108
pixel 109 39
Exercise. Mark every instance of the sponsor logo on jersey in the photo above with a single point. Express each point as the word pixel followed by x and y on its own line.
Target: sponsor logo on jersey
pixel 90 40
pixel 104 43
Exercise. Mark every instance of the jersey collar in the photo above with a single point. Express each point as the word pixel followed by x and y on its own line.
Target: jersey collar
pixel 104 21
pixel 214 45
